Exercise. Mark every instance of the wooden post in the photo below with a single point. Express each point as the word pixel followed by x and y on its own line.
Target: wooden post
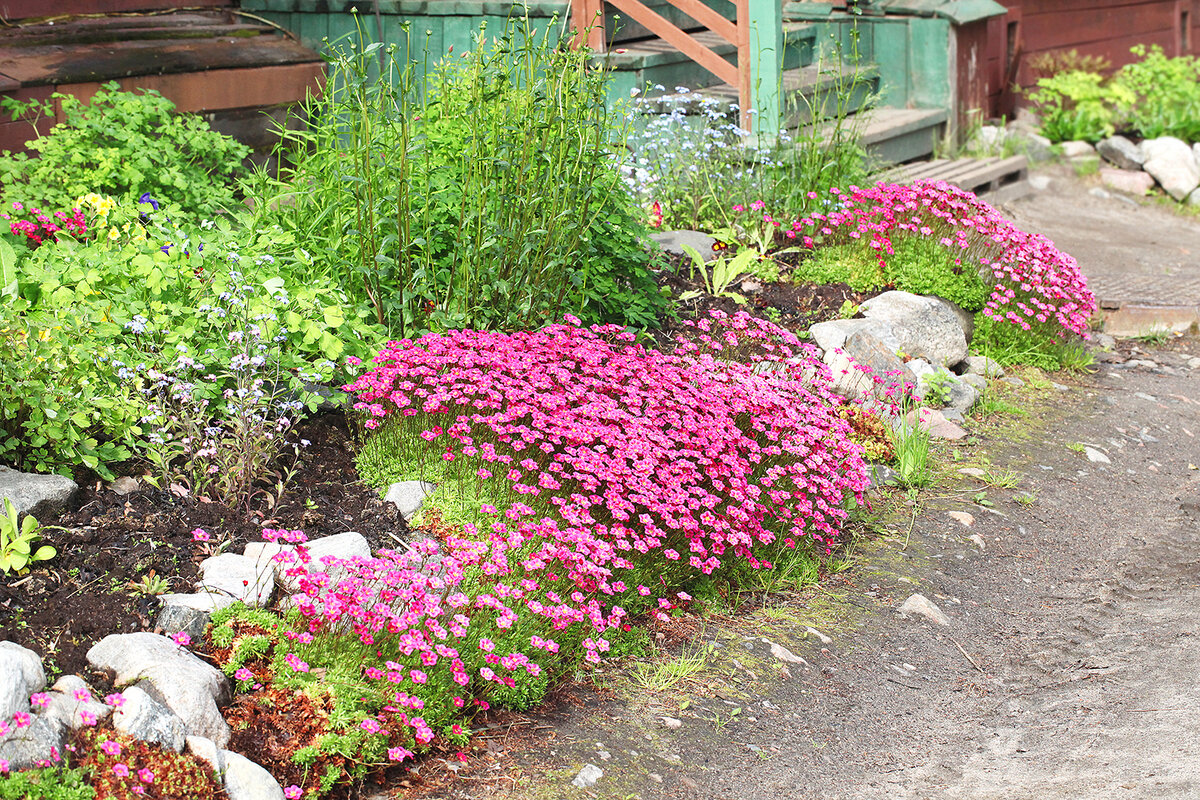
pixel 587 17
pixel 763 70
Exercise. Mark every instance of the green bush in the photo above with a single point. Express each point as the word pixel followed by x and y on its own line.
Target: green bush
pixel 1079 105
pixel 86 316
pixel 1167 92
pixel 52 783
pixel 122 144
pixel 917 264
pixel 487 197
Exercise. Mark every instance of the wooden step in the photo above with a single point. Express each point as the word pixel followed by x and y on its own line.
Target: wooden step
pixel 996 179
pixel 812 92
pixel 643 64
pixel 897 135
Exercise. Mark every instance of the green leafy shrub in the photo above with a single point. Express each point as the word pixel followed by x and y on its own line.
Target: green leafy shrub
pixel 1167 92
pixel 123 144
pixel 486 198
pixel 51 783
pixel 1079 105
pixel 85 315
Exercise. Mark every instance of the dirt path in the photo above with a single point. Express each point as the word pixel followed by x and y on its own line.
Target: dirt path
pixel 1068 670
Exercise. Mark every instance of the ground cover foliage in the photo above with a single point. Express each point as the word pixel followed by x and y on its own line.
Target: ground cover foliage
pixel 467 258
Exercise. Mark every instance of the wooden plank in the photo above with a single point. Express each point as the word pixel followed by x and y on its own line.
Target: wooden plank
pixel 1012 168
pixel 222 88
pixel 684 42
pixel 708 18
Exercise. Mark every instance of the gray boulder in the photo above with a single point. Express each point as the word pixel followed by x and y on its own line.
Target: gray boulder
pixel 672 242
pixel 239 577
pixel 204 602
pixel 408 496
pixel 245 780
pixel 21 675
pixel 1173 164
pixel 344 546
pixel 1120 151
pixel 976 382
pixel 189 687
pixel 40 495
pixel 963 397
pixel 33 745
pixel 147 720
pixel 924 327
pixel 181 619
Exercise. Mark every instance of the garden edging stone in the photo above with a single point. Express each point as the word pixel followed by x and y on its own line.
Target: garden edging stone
pixel 35 494
pixel 21 674
pixel 146 719
pixel 188 686
pixel 1173 164
pixel 245 780
pixel 1121 152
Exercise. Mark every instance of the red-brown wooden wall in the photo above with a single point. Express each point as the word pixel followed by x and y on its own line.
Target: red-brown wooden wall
pixel 24 9
pixel 1105 28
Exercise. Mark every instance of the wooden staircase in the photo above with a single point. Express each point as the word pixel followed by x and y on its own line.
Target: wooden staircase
pixel 813 87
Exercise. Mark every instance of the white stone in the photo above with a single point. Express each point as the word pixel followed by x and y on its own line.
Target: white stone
pixel 921 606
pixel 408 496
pixel 783 654
pixel 146 719
pixel 206 750
pixel 1078 149
pixel 239 577
pixel 672 723
pixel 1173 164
pixel 124 485
pixel 672 243
pixel 21 675
pixel 820 636
pixel 1095 456
pixel 32 745
pixel 586 778
pixel 191 688
pixel 343 546
pixel 1040 183
pixel 1121 180
pixel 245 780
pixel 962 518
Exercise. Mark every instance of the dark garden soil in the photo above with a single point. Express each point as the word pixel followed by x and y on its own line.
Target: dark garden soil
pixel 110 543
pixel 795 306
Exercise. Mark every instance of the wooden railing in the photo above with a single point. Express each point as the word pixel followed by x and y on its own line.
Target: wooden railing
pixel 759 46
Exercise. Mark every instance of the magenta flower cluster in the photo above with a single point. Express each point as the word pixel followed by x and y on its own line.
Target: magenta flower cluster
pixel 37 226
pixel 627 471
pixel 1034 284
